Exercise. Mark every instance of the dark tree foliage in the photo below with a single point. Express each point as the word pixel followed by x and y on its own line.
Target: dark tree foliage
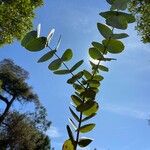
pixel 19 132
pixel 16 18
pixel 141 10
pixel 14 86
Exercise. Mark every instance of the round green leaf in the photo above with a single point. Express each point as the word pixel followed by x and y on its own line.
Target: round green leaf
pixel 67 55
pixel 120 4
pixel 109 14
pixel 36 44
pixel 68 145
pixel 86 128
pixel 28 38
pixel 47 56
pixel 113 46
pixel 99 46
pixel 95 53
pixel 54 65
pixel 118 22
pixel 85 106
pixel 92 110
pixel 105 31
pixel 83 142
pixel 76 100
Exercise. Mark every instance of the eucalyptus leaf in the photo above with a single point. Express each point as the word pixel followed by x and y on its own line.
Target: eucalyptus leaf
pixel 99 46
pixel 88 117
pixel 61 72
pixel 92 110
pixel 103 68
pixel 70 134
pixel 109 14
pixel 47 56
pixel 113 46
pixel 85 106
pixel 119 22
pixel 68 145
pixel 76 100
pixel 73 124
pixel 50 36
pixel 119 36
pixel 28 38
pixel 83 142
pixel 67 55
pixel 105 31
pixel 77 65
pixel 54 65
pixel 95 53
pixel 74 114
pixel 119 4
pixel 86 128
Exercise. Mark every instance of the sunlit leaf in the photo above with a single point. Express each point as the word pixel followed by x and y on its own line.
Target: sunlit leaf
pixel 98 77
pixel 47 56
pixel 78 87
pixel 76 100
pixel 92 110
pixel 95 53
pixel 87 74
pixel 86 128
pixel 38 30
pixel 50 35
pixel 99 46
pixel 113 46
pixel 73 124
pixel 88 117
pixel 103 68
pixel 85 106
pixel 58 43
pixel 68 145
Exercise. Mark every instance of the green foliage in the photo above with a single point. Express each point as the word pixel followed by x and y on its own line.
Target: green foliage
pixel 16 18
pixel 86 83
pixel 140 9
pixel 19 131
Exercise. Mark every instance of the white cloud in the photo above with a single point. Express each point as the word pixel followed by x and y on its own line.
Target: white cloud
pixel 126 111
pixel 53 132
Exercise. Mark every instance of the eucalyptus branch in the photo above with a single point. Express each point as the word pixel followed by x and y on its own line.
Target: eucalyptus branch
pixel 87 83
pixel 73 75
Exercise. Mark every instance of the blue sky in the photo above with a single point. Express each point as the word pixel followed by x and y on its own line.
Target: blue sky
pixel 124 96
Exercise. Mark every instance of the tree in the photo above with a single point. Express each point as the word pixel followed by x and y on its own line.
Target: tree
pixel 18 131
pixel 16 18
pixel 141 10
pixel 14 86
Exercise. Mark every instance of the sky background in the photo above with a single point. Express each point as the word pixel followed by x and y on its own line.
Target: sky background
pixel 124 95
